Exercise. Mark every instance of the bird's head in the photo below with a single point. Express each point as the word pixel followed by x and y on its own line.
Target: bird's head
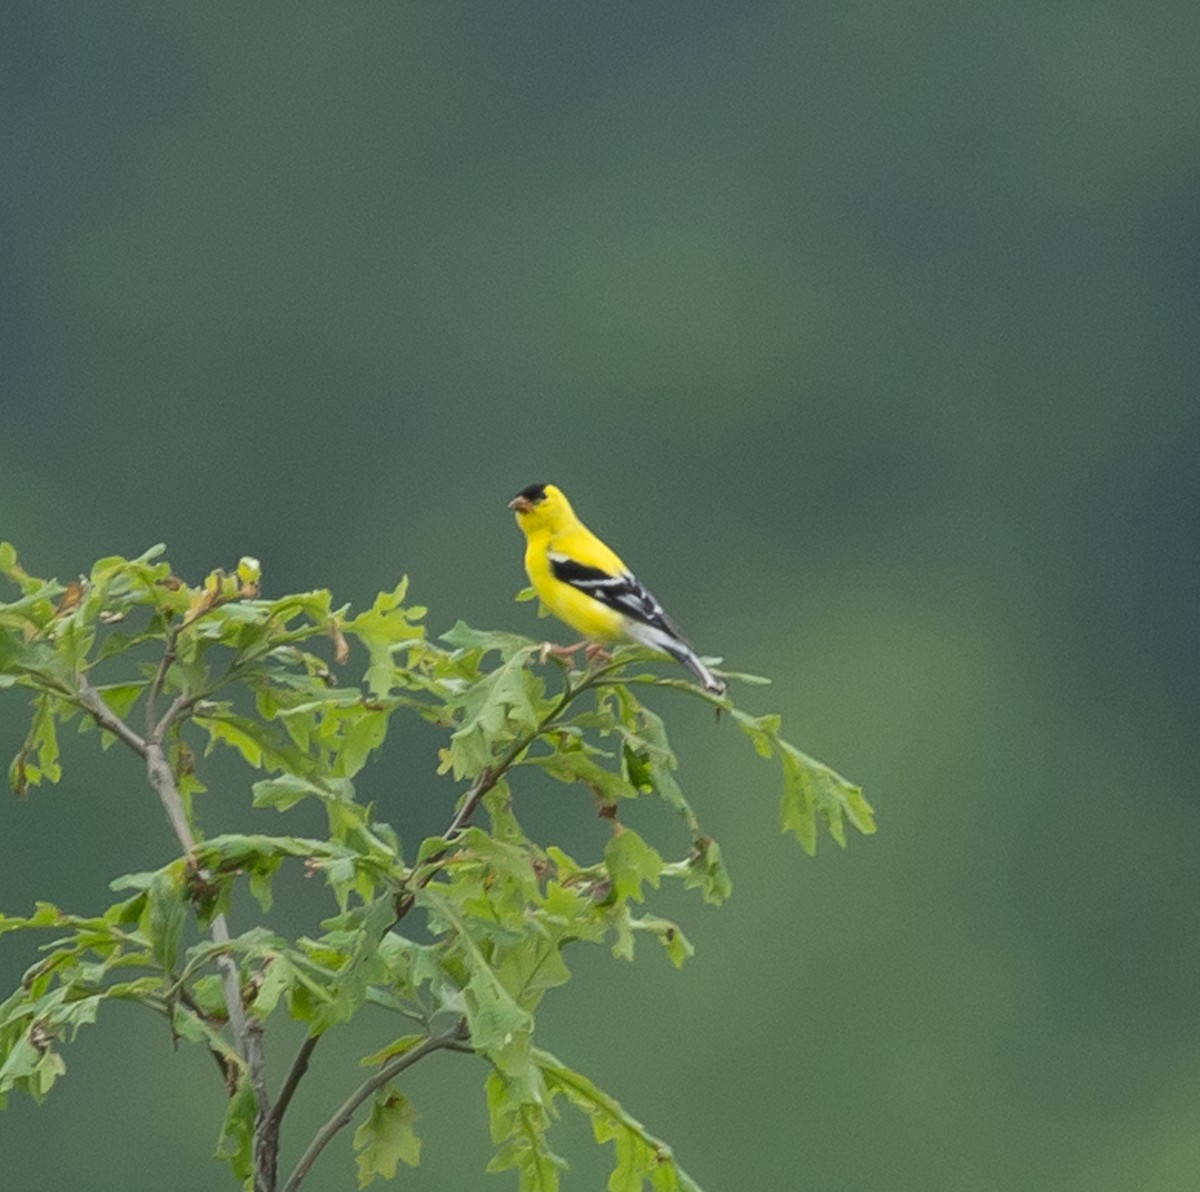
pixel 541 506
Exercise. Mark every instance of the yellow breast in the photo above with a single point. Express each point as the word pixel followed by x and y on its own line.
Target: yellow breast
pixel 585 615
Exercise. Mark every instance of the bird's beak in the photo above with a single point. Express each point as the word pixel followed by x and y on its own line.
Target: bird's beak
pixel 521 504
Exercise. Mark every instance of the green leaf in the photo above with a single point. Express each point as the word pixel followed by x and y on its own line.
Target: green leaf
pixel 42 743
pixel 236 1143
pixel 194 1029
pixel 209 994
pixel 676 945
pixel 638 1155
pixel 12 570
pixel 386 1138
pixel 749 680
pixel 499 1027
pixel 132 881
pixel 648 758
pixel 164 917
pixel 286 790
pixel 278 978
pixel 364 964
pixel 260 882
pixel 621 922
pixel 33 1067
pixel 630 862
pixel 572 762
pixel 120 697
pixel 496 1022
pixel 236 853
pixel 518 1126
pixel 502 706
pixel 464 637
pixel 115 643
pixel 707 871
pixel 237 733
pixel 762 730
pixel 383 627
pixel 262 745
pixel 811 787
pixel 364 732
pixel 532 966
pixel 397 1047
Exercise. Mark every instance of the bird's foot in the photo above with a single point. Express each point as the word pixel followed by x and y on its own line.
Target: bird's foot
pixel 592 651
pixel 567 653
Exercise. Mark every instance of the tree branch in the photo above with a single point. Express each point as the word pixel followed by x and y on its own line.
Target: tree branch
pixel 93 703
pixel 266 1128
pixel 181 705
pixel 483 784
pixel 322 1138
pixel 162 779
pixel 297 1070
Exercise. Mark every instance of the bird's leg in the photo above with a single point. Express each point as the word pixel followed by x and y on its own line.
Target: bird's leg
pixel 592 651
pixel 567 653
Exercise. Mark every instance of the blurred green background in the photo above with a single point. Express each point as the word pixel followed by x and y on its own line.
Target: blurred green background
pixel 868 334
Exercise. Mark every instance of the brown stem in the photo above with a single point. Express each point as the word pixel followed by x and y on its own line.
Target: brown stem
pixel 266 1125
pixel 297 1070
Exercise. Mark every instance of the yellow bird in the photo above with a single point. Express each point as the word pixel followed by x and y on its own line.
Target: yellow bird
pixel 584 583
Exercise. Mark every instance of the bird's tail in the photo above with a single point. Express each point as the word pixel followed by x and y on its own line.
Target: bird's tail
pixel 679 649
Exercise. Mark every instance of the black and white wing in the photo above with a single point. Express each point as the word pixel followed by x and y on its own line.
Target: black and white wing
pixel 646 622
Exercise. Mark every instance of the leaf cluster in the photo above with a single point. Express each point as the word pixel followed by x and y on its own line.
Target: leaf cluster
pixel 456 938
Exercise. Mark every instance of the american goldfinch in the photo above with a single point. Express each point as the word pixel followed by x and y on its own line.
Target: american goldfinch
pixel 582 582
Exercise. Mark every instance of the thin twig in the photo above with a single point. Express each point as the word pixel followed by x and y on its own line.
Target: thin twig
pixel 156 685
pixel 342 1117
pixel 181 705
pixel 483 784
pixel 295 1072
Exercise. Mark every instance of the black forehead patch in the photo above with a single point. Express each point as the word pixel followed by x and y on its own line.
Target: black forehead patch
pixel 535 492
